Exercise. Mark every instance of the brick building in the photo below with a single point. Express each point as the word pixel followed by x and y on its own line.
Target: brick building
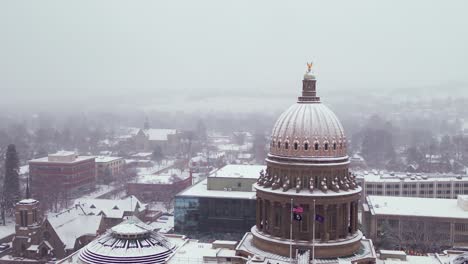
pixel 159 187
pixel 62 173
pixel 150 138
pixel 41 239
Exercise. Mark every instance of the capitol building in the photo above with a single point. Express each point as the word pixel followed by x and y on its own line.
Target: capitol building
pixel 307 173
pixel 306 202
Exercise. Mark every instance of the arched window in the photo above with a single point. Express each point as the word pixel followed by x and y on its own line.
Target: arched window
pixel 341 145
pixel 306 146
pixel 279 144
pixel 286 145
pixel 334 145
pixel 296 145
pixel 316 146
pixel 325 146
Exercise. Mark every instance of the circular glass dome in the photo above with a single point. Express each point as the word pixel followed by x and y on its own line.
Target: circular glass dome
pixel 129 242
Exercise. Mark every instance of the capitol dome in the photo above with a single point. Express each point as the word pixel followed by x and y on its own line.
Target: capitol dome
pixel 308 129
pixel 129 242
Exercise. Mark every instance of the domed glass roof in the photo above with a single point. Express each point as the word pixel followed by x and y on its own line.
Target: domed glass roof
pixel 129 242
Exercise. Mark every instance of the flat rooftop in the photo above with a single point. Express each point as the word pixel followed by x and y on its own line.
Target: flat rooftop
pixel 414 206
pixel 104 159
pixel 238 171
pixel 379 176
pixel 200 190
pixel 77 159
pixel 169 177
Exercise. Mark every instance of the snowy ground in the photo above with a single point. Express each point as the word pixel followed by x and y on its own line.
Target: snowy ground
pixel 162 207
pixel 100 190
pixel 158 167
pixel 8 229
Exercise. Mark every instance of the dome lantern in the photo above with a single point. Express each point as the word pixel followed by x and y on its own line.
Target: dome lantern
pixel 309 94
pixel 309 126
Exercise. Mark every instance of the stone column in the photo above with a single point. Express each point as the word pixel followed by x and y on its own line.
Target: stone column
pixel 258 213
pixel 354 216
pixel 314 212
pixel 264 205
pixel 351 217
pixel 356 213
pixel 267 216
pixel 348 219
pixel 346 212
pixel 325 236
pixel 339 222
pixel 274 230
pixel 271 218
pixel 285 216
pixel 452 232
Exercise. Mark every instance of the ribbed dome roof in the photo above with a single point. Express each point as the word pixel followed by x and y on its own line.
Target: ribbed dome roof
pixel 308 129
pixel 130 242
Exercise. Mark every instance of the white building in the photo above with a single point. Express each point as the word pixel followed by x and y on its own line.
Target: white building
pixel 428 185
pixel 108 168
pixel 418 223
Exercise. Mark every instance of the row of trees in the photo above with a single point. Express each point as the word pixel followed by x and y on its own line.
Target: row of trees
pixel 414 236
pixel 386 146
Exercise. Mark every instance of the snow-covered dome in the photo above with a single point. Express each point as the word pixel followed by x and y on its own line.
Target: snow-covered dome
pixel 28 201
pixel 308 129
pixel 129 242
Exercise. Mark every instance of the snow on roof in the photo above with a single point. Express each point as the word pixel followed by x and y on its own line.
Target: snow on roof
pixel 239 171
pixel 413 206
pixel 155 168
pixel 379 176
pixel 163 224
pixel 27 201
pixel 153 179
pixel 195 252
pixel 198 159
pixel 115 246
pixel 203 157
pixel 23 169
pixel 76 159
pixel 200 190
pixel 104 159
pixel 111 208
pixel 159 134
pixel 234 147
pixel 143 154
pixel 33 248
pixel 245 156
pixel 129 228
pixel 127 132
pixel 62 153
pixel 74 223
pixel 168 177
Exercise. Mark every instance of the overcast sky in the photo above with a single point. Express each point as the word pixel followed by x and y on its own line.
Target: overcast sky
pixel 123 51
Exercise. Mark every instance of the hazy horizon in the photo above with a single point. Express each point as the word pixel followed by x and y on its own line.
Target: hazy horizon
pixel 207 54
